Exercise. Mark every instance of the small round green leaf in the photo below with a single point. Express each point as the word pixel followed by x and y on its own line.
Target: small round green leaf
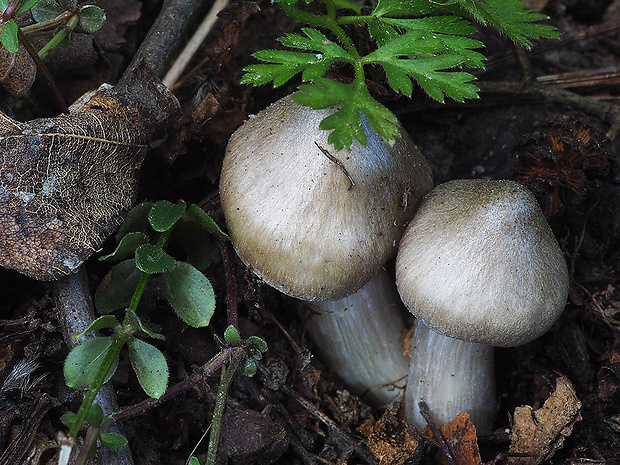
pixel 84 361
pixel 152 259
pixel 194 461
pixel 106 321
pixel 190 294
pixel 249 367
pixel 8 36
pixel 258 342
pixel 113 440
pixel 70 4
pixel 68 419
pixel 95 415
pixel 127 246
pixel 150 366
pixel 46 10
pixel 92 18
pixel 163 214
pixel 116 289
pixel 231 335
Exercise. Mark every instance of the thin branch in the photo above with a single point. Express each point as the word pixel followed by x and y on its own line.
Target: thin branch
pixel 231 285
pixel 194 43
pixel 445 449
pixel 605 111
pixel 46 74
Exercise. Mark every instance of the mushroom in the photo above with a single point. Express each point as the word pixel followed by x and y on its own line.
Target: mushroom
pixel 359 336
pixel 316 223
pixel 479 267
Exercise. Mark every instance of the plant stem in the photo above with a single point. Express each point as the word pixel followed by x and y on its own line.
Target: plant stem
pixel 220 402
pixel 207 370
pixel 36 27
pixel 353 19
pixel 46 74
pixel 117 342
pixel 60 36
pixel 90 442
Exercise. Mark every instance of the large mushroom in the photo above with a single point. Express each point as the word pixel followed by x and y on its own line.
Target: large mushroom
pixel 479 267
pixel 318 224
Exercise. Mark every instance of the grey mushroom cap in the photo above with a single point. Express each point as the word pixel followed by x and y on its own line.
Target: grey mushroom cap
pixel 313 222
pixel 480 263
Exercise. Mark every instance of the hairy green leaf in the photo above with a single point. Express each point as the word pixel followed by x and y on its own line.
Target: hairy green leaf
pixel 190 294
pixel 150 367
pixel 152 259
pixel 84 361
pixel 68 419
pixel 127 246
pixel 8 36
pixel 163 214
pixel 135 322
pixel 113 440
pixel 231 335
pixel 136 220
pixel 105 321
pixel 95 415
pixel 117 287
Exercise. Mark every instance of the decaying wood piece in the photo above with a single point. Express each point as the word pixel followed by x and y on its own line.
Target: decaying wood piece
pixel 67 182
pixel 537 434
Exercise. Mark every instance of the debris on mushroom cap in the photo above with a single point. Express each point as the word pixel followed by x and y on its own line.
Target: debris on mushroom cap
pixel 313 222
pixel 67 182
pixel 480 263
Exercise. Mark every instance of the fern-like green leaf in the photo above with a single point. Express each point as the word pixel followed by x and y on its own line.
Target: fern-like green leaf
pixel 281 65
pixel 354 100
pixel 510 17
pixel 424 58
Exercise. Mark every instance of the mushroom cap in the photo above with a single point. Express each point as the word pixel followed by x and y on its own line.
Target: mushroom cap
pixel 316 224
pixel 480 263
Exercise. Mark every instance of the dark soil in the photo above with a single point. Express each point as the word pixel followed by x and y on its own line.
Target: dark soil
pixel 267 420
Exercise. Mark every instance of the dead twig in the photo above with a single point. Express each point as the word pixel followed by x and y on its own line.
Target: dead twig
pixel 443 445
pixel 605 111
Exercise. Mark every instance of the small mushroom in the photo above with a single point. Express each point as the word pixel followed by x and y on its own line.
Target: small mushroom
pixel 479 267
pixel 316 223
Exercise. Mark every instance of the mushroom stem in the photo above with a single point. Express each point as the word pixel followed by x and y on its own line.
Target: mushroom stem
pixel 359 336
pixel 452 376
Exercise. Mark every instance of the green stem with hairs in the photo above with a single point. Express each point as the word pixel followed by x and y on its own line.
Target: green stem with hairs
pixel 220 401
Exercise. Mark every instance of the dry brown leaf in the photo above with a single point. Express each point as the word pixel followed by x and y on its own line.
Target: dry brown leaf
pixel 539 433
pixel 17 71
pixel 390 438
pixel 67 182
pixel 462 440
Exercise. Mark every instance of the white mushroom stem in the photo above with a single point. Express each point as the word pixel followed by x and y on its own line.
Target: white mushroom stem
pixel 359 338
pixel 452 376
